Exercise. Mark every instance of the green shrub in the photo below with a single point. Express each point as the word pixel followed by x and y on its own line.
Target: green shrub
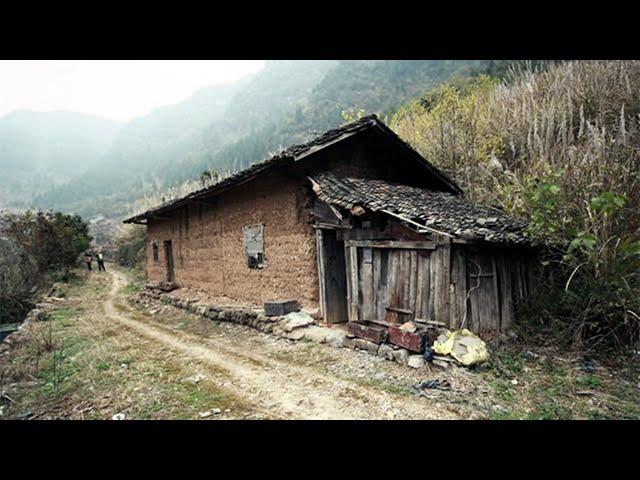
pixel 558 147
pixel 131 247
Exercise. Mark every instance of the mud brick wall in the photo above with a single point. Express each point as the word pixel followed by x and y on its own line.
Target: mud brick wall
pixel 208 246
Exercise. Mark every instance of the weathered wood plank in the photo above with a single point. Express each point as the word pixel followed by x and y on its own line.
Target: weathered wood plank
pixel 383 299
pixel 399 244
pixel 420 272
pixel 321 273
pixel 459 291
pixel 355 291
pixel 374 334
pixel 442 280
pixel 413 341
pixel 377 284
pixel 366 303
pixel 506 295
pixel 394 291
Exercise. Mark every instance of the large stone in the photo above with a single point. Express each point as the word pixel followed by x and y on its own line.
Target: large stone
pixel 38 315
pixel 294 320
pixel 401 356
pixel 416 361
pixel 335 338
pixel 316 334
pixel 295 334
pixel 348 342
pixel 386 351
pixel 366 345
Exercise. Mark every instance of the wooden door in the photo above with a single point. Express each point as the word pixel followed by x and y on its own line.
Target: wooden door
pixel 332 276
pixel 483 291
pixel 168 253
pixel 388 283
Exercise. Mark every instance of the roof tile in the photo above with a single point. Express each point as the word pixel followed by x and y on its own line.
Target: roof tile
pixel 439 210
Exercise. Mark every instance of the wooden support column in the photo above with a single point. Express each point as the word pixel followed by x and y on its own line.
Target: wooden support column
pixel 321 276
pixel 442 283
pixel 351 260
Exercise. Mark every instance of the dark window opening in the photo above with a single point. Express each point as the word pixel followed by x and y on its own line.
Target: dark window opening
pixel 154 246
pixel 254 245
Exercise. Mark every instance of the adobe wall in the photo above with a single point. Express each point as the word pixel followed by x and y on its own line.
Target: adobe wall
pixel 208 247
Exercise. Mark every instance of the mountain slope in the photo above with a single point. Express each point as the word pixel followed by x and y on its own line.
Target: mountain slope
pixel 38 149
pixel 226 128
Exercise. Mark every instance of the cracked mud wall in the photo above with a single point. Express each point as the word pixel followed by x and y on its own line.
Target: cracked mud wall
pixel 208 246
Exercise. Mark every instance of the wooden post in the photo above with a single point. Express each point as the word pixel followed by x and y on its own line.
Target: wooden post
pixel 321 277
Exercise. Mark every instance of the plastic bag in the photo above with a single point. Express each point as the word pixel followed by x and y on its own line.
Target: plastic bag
pixel 466 347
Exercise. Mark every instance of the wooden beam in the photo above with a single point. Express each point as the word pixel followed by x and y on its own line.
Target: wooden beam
pixel 326 226
pixel 407 244
pixel 203 201
pixel 321 273
pixel 419 225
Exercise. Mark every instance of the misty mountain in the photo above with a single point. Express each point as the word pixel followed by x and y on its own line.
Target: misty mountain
pixel 226 128
pixel 41 149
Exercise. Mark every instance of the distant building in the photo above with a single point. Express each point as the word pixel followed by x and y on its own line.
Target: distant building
pixel 355 224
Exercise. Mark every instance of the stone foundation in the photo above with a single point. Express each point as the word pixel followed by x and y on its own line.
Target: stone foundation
pixel 294 326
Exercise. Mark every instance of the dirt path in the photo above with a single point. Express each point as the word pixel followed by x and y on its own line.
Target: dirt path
pixel 282 389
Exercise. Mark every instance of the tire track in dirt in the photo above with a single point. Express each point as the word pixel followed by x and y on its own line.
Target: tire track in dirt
pixel 283 389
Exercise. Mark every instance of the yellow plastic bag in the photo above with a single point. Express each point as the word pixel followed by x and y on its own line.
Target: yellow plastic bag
pixel 464 346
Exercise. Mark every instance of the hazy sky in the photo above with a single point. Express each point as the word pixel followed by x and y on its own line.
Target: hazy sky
pixel 117 89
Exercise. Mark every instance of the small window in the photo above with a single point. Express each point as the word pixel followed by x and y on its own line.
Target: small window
pixel 254 245
pixel 154 246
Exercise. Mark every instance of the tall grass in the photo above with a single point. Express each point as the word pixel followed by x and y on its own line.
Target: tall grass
pixel 560 147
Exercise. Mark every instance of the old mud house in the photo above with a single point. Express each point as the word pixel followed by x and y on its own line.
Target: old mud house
pixel 354 225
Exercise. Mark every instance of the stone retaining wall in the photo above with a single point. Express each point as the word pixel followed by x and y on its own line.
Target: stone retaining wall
pixel 294 326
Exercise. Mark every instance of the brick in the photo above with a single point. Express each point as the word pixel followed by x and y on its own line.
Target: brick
pixel 280 307
pixel 374 334
pixel 411 341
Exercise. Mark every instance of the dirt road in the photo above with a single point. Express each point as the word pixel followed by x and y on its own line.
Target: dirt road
pixel 101 352
pixel 281 389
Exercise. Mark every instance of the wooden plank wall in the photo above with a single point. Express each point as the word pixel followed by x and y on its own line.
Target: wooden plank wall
pixel 457 285
pixel 400 278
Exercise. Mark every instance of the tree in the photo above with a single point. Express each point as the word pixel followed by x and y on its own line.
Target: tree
pixel 53 239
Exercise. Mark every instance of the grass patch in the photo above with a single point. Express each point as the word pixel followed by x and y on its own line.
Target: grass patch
pixel 589 381
pixel 131 289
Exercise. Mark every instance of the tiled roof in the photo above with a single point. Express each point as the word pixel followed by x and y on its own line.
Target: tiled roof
pixel 441 211
pixel 292 154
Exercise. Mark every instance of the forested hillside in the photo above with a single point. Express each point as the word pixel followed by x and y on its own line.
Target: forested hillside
pixel 226 128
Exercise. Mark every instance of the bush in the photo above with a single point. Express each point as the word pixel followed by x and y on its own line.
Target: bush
pixel 32 245
pixel 53 239
pixel 131 247
pixel 559 147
